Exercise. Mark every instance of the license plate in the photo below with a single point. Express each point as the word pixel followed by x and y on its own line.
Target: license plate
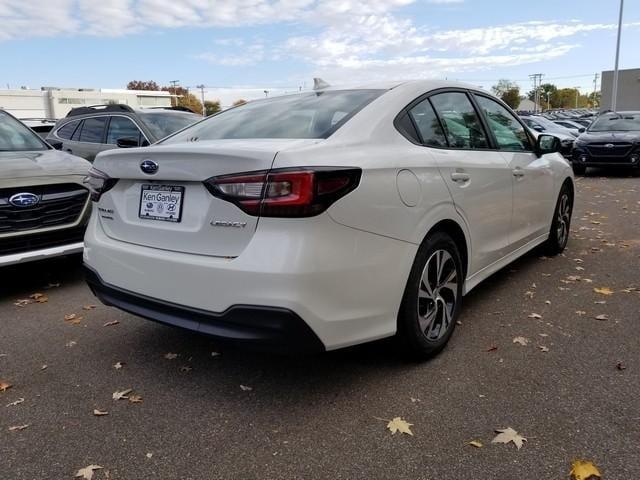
pixel 161 202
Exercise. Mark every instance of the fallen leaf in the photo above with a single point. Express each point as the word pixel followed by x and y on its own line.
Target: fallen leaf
pixel 602 317
pixel 36 296
pixel 70 317
pixel 88 307
pixel 149 455
pixel 171 356
pixel 509 435
pixel 71 343
pixel 100 413
pixel 87 472
pixel 548 302
pixel 521 341
pixel 399 425
pixel 534 315
pixel 600 302
pixel 135 399
pixel 113 322
pixel 621 366
pixel 118 365
pixel 492 348
pixel 118 395
pixel 543 334
pixel 415 400
pixel 17 428
pixel 22 302
pixel 584 470
pixel 73 319
pixel 44 367
pixel 476 443
pixel 42 299
pixel 20 400
pixel 580 312
pixel 603 291
pixel 4 386
pixel 543 348
pixel 529 294
pixel 244 388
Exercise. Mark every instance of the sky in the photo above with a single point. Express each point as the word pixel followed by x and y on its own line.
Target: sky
pixel 239 48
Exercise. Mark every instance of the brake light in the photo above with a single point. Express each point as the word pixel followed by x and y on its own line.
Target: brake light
pixel 98 183
pixel 299 192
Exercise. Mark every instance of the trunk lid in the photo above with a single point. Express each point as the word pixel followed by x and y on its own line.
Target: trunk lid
pixel 203 224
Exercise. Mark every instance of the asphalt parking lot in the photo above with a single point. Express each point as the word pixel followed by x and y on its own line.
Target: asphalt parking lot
pixel 246 415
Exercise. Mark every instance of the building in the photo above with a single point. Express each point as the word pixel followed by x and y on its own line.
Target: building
pixel 51 102
pixel 527 105
pixel 628 90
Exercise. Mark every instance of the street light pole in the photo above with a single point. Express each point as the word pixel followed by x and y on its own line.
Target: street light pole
pixel 614 95
pixel 204 110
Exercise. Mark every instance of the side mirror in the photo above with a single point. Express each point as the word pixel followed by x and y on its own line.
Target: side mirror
pixel 56 144
pixel 538 128
pixel 127 142
pixel 547 144
pixel 582 130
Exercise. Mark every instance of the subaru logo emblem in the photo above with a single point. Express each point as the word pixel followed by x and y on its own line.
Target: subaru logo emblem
pixel 24 199
pixel 149 166
pixel 609 145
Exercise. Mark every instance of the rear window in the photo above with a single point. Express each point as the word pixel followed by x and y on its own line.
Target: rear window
pixel 164 124
pixel 306 115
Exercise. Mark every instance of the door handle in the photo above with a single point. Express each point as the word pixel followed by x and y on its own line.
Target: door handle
pixel 460 177
pixel 518 172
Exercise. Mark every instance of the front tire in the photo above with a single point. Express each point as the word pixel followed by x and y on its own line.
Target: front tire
pixel 559 233
pixel 432 297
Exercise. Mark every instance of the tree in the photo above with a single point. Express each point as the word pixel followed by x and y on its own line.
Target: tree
pixel 239 102
pixel 185 99
pixel 508 91
pixel 142 85
pixel 211 107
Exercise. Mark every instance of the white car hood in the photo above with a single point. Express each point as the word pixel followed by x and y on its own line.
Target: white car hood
pixel 41 163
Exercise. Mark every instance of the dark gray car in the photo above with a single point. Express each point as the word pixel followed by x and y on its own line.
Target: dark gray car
pixel 87 131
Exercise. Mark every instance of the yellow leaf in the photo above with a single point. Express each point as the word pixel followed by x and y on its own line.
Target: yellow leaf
pixel 400 425
pixel 583 470
pixel 87 472
pixel 4 386
pixel 507 435
pixel 135 399
pixel 603 291
pixel 476 443
pixel 42 299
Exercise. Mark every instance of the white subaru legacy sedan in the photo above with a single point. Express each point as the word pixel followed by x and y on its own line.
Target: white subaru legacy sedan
pixel 327 218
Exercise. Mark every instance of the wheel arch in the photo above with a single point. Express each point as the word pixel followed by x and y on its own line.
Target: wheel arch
pixel 455 231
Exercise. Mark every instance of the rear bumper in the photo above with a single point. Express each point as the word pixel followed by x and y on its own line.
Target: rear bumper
pixel 267 328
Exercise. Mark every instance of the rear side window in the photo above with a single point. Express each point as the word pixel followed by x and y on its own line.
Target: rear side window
pixel 427 123
pixel 122 127
pixel 93 130
pixel 460 121
pixel 509 132
pixel 66 131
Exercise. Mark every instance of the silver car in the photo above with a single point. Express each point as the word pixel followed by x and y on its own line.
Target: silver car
pixel 44 207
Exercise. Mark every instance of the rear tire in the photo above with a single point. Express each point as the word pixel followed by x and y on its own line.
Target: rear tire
pixel 432 298
pixel 579 169
pixel 561 224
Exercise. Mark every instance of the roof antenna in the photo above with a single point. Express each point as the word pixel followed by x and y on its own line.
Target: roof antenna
pixel 319 84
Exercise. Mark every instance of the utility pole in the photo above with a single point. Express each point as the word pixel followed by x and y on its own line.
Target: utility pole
pixel 537 82
pixel 204 110
pixel 595 88
pixel 614 95
pixel 173 84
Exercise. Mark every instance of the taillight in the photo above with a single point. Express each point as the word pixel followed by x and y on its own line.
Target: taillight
pixel 98 183
pixel 287 192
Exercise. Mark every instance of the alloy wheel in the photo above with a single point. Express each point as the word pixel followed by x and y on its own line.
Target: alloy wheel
pixel 437 295
pixel 563 219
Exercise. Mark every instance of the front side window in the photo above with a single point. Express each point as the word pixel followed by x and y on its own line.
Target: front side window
pixel 16 137
pixel 428 125
pixel 304 115
pixel 508 131
pixel 122 127
pixel 460 121
pixel 66 131
pixel 93 130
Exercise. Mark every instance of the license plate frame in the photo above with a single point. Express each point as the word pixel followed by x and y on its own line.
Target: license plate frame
pixel 153 208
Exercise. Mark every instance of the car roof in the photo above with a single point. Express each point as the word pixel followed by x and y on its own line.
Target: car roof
pixel 426 85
